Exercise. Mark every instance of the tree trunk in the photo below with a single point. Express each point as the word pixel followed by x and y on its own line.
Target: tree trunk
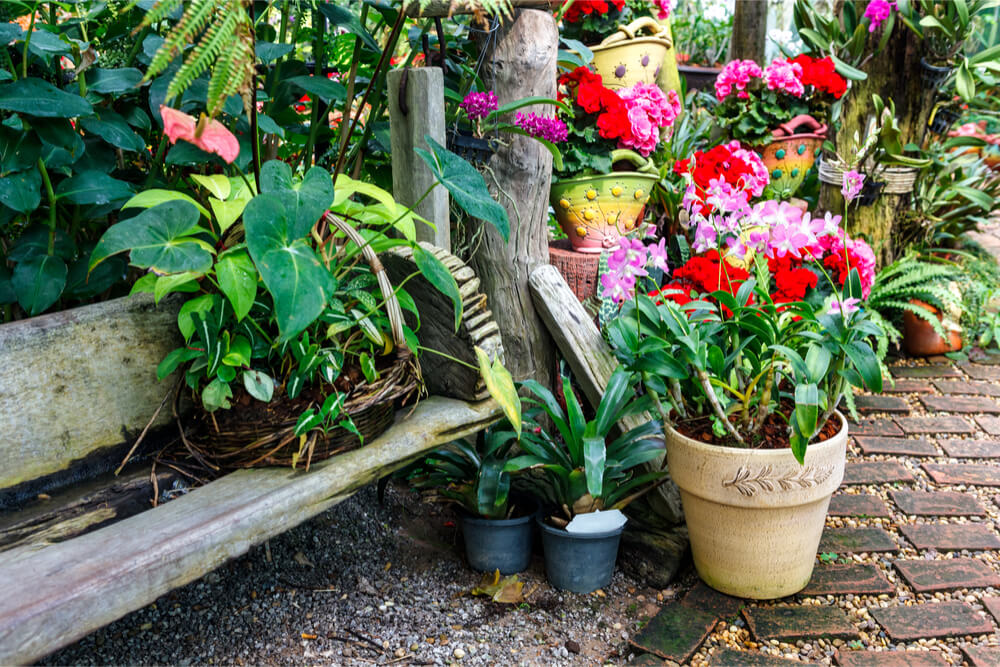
pixel 749 31
pixel 892 74
pixel 521 62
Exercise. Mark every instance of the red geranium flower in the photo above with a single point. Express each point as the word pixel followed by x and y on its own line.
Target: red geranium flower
pixel 821 74
pixel 587 7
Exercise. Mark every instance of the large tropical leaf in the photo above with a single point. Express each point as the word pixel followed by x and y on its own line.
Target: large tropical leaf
pixel 501 386
pixel 160 238
pixel 292 272
pixel 466 185
pixel 21 191
pixel 115 130
pixel 238 281
pixel 304 202
pixel 93 187
pixel 38 282
pixel 40 98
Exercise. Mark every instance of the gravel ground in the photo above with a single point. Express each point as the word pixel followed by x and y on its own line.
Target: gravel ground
pixel 367 583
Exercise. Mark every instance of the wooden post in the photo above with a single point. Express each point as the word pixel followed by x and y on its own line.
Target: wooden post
pixel 749 31
pixel 416 109
pixel 521 61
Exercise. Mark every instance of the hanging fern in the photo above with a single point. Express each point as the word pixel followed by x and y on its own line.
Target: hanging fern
pixel 221 33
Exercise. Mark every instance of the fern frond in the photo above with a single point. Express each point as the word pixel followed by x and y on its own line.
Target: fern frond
pixel 159 12
pixel 216 38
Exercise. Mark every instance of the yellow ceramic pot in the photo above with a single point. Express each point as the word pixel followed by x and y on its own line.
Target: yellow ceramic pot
pixel 597 210
pixel 755 516
pixel 633 54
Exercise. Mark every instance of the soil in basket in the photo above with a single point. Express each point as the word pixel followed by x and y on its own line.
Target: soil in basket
pixel 774 435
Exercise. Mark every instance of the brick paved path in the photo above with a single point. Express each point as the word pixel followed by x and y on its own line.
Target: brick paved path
pixel 908 572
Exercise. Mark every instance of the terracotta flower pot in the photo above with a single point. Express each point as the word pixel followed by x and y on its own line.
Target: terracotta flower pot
pixel 596 211
pixel 755 516
pixel 628 57
pixel 581 270
pixel 698 77
pixel 792 152
pixel 919 337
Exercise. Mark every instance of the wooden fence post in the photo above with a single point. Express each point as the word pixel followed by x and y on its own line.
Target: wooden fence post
pixel 520 62
pixel 749 31
pixel 416 109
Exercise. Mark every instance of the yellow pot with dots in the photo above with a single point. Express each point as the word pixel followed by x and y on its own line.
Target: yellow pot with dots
pixel 596 211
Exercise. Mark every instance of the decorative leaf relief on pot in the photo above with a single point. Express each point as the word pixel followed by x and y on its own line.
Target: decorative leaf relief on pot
pixel 766 479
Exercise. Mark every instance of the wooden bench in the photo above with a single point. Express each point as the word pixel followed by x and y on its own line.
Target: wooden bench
pixel 81 555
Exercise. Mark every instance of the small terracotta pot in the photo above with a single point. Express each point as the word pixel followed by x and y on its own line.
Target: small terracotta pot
pixel 919 337
pixel 580 269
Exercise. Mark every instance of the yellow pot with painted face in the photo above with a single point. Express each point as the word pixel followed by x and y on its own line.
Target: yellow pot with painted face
pixel 633 54
pixel 597 210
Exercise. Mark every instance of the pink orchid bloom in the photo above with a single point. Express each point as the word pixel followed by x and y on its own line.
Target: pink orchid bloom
pixel 210 136
pixel 845 307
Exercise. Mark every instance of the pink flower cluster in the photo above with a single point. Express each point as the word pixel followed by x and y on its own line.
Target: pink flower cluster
pixel 477 106
pixel 540 127
pixel 663 7
pixel 878 11
pixel 736 75
pixel 784 76
pixel 649 110
pixel 632 260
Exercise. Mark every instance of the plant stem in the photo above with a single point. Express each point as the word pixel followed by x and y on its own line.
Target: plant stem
pixel 254 133
pixel 52 205
pixel 706 385
pixel 351 81
pixel 765 398
pixel 675 390
pixel 27 42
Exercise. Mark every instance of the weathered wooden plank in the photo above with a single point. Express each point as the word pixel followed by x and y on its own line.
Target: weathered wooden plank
pixel 79 381
pixel 416 110
pixel 443 8
pixel 449 359
pixel 83 507
pixel 54 595
pixel 581 344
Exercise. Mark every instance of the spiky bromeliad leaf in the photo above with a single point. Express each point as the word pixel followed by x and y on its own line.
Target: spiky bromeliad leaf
pixel 222 37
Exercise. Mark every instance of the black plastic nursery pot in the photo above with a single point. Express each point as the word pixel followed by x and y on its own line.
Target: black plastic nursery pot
pixel 944 119
pixel 498 544
pixel 933 76
pixel 579 562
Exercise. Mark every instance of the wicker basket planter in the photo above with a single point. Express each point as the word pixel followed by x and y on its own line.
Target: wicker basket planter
pixel 256 438
pixel 889 181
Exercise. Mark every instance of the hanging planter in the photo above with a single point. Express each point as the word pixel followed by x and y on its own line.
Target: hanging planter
pixel 933 76
pixel 944 119
pixel 629 56
pixel 792 152
pixel 890 181
pixel 595 211
pixel 471 148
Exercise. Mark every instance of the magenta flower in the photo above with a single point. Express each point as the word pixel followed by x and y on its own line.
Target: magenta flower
pixel 477 106
pixel 853 183
pixel 878 11
pixel 540 127
pixel 663 8
pixel 649 110
pixel 845 307
pixel 736 75
pixel 658 255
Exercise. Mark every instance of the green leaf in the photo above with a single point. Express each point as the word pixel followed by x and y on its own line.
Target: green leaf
pixel 119 80
pixel 59 132
pixel 291 271
pixel 305 202
pixel 177 282
pixel 847 71
pixel 93 187
pixel 174 359
pixel 238 281
pixel 806 408
pixel 965 85
pixel 10 32
pixel 115 130
pixel 259 385
pixel 40 98
pixel 216 395
pixel 200 305
pixel 239 353
pixel 594 453
pixel 159 238
pixel 438 275
pixel 267 125
pixel 150 198
pixel 466 185
pixel 21 191
pixel 217 184
pixel 45 44
pixel 348 20
pixel 501 386
pixel 327 90
pixel 866 363
pixel 368 367
pixel 268 51
pixel 38 282
pixel 227 212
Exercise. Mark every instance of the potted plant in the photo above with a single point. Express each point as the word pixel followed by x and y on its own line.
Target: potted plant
pixel 701 32
pixel 944 28
pixel 625 37
pixel 600 193
pixel 747 349
pixel 497 530
pixel 775 110
pixel 581 473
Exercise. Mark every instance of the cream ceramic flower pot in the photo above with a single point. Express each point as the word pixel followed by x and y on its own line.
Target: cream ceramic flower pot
pixel 755 516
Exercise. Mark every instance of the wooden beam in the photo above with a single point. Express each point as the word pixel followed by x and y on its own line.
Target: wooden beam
pixel 749 31
pixel 54 595
pixel 591 361
pixel 446 8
